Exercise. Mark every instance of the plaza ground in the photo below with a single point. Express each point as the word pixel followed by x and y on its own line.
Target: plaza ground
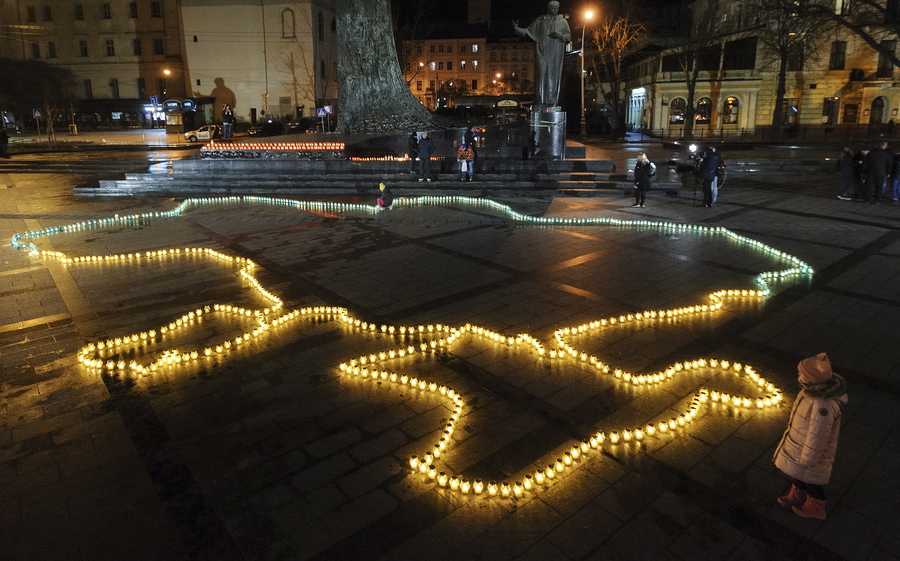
pixel 271 451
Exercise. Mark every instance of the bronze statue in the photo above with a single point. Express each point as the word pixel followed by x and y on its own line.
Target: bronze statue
pixel 550 33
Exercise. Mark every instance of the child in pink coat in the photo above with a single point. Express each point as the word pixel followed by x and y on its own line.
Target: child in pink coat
pixel 806 451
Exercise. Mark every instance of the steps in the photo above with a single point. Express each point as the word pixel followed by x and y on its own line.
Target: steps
pixel 233 177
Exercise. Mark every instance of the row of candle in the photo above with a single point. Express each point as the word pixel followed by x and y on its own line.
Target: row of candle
pixel 282 146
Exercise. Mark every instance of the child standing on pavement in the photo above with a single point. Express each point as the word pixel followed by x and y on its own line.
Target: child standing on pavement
pixel 806 451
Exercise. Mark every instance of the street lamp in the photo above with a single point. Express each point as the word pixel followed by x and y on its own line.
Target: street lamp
pixel 587 16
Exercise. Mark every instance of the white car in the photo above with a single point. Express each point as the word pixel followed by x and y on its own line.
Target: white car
pixel 206 132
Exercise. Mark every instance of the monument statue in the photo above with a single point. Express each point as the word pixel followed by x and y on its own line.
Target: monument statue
pixel 550 33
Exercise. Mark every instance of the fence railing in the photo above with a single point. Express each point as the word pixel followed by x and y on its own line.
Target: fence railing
pixel 851 134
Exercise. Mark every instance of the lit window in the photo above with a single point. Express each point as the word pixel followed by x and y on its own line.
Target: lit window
pixel 730 111
pixel 462 65
pixel 676 111
pixel 474 65
pixel 704 111
pixel 474 47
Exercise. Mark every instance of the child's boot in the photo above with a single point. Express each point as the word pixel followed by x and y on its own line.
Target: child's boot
pixel 811 508
pixel 796 496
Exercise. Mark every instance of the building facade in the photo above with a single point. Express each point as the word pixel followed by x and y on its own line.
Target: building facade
pixel 835 83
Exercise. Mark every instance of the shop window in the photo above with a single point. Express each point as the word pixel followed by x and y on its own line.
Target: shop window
pixel 704 111
pixel 730 111
pixel 676 111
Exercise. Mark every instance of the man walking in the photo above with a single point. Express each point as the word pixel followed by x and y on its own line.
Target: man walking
pixel 878 172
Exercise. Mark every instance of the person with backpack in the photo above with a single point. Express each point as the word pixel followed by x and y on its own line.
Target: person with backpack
pixel 644 170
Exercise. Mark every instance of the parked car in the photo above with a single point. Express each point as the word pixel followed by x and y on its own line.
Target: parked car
pixel 269 128
pixel 304 125
pixel 206 132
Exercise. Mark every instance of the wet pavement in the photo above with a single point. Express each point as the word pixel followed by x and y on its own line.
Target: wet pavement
pixel 268 449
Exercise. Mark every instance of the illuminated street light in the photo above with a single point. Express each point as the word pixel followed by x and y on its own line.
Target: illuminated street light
pixel 587 16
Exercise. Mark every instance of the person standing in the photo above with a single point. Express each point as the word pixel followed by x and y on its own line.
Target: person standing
pixel 227 123
pixel 466 160
pixel 550 33
pixel 846 168
pixel 426 150
pixel 879 168
pixel 643 172
pixel 4 143
pixel 806 451
pixel 412 151
pixel 709 166
pixel 471 140
pixel 895 179
pixel 860 165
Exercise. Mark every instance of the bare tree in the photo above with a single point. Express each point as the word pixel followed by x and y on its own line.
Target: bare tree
pixel 616 38
pixel 373 95
pixel 788 37
pixel 874 21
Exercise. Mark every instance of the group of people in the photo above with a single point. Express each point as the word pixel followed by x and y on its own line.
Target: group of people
pixel 869 175
pixel 421 149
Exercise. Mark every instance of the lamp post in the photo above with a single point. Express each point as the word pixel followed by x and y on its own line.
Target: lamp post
pixel 587 16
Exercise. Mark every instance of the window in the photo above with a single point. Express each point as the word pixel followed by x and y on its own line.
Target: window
pixel 51 49
pixel 32 15
pixel 449 65
pixel 48 13
pixel 82 48
pixel 730 111
pixel 418 85
pixel 141 87
pixel 287 24
pixel 462 48
pixel 440 48
pixel 704 111
pixel 841 7
pixel 161 86
pixel 431 85
pixel 462 65
pixel 493 57
pixel 740 54
pixel 794 60
pixel 114 88
pixel 110 47
pixel 136 47
pixel 449 48
pixel 432 66
pixel 503 56
pixel 838 55
pixel 156 9
pixel 35 50
pixel 885 66
pixel 830 108
pixel 676 111
pixel 418 49
pixel 159 47
pixel 431 49
pixel 515 56
pixel 851 113
pixel 132 10
pixel 474 65
pixel 79 12
pixel 474 47
pixel 789 111
pixel 474 84
pixel 105 11
pixel 88 89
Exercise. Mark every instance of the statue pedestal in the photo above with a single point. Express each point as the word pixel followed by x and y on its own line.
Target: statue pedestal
pixel 549 127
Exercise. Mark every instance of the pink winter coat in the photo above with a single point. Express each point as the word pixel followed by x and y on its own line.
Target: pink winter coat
pixel 806 451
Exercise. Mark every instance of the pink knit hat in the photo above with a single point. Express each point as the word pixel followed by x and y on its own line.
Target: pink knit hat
pixel 815 369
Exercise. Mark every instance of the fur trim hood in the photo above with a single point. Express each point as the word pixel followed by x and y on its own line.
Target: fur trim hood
pixel 835 387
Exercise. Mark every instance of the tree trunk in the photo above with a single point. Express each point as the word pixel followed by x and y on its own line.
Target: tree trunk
pixel 780 89
pixel 372 95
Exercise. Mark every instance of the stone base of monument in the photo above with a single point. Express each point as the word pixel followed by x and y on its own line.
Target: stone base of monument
pixel 548 124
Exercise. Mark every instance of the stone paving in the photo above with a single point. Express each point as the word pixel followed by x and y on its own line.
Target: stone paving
pixel 270 451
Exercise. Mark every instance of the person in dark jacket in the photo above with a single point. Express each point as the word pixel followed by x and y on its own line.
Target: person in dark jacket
pixel 426 150
pixel 471 140
pixel 227 123
pixel 847 169
pixel 860 165
pixel 412 151
pixel 879 169
pixel 642 177
pixel 895 179
pixel 4 142
pixel 709 166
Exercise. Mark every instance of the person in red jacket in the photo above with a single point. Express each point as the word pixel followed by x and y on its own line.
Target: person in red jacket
pixel 806 451
pixel 466 158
